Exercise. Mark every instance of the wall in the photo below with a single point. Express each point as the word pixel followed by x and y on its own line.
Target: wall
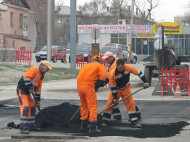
pixel 7 55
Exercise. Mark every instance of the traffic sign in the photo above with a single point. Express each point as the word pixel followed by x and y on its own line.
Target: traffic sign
pixel 95 34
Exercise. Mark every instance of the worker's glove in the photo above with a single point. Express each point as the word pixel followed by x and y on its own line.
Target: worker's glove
pixel 146 85
pixel 115 102
pixel 96 87
pixel 37 103
pixel 32 91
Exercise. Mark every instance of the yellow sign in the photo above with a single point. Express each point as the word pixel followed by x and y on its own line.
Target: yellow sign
pixel 145 36
pixel 169 28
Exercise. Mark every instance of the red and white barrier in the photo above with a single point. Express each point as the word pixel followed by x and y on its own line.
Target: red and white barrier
pixel 174 78
pixel 23 56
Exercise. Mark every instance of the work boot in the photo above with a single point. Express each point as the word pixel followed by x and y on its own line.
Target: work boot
pixel 116 113
pixel 24 131
pixel 138 114
pixel 135 124
pixel 84 125
pixel 104 123
pixel 93 128
pixel 36 129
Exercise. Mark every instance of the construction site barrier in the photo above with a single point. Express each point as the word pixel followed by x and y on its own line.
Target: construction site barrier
pixel 59 55
pixel 23 56
pixel 175 78
pixel 80 60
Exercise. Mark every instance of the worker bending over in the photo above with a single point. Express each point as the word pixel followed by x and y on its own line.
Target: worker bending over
pixel 119 81
pixel 90 75
pixel 111 61
pixel 31 82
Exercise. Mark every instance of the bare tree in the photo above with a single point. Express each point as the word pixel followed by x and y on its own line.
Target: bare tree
pixel 92 10
pixel 187 15
pixel 39 20
pixel 145 7
pixel 119 8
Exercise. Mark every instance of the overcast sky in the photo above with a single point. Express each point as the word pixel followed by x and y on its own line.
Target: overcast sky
pixel 166 10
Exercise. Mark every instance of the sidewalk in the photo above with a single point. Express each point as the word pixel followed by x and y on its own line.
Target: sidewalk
pixel 67 90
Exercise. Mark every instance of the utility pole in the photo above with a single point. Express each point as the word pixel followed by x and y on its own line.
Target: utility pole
pixel 49 29
pixel 131 28
pixel 73 35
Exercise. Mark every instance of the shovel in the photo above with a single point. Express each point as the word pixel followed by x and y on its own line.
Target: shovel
pixel 112 105
pixel 46 122
pixel 72 117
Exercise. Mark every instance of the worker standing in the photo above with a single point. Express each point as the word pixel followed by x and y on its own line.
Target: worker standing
pixel 119 81
pixel 31 82
pixel 90 75
pixel 111 61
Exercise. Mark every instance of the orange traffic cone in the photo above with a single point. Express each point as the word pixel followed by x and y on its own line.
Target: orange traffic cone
pixel 177 93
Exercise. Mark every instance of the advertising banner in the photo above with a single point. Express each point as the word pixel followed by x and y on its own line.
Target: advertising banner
pixel 145 36
pixel 82 29
pixel 103 28
pixel 169 28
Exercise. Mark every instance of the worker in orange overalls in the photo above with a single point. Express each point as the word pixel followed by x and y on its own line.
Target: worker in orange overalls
pixel 31 82
pixel 111 61
pixel 119 81
pixel 90 75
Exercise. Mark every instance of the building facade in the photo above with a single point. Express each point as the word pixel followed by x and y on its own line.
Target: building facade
pixel 13 29
pixel 143 37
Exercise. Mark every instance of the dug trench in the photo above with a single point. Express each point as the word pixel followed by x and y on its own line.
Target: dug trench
pixel 159 119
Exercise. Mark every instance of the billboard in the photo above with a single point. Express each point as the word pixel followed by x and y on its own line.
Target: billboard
pixel 169 28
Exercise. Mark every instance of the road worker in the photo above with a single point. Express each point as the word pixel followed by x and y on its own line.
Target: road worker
pixel 31 82
pixel 111 61
pixel 90 75
pixel 119 80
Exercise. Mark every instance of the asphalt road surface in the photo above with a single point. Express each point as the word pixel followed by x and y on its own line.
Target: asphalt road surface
pixel 160 119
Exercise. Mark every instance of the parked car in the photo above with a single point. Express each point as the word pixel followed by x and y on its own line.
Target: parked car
pixel 83 49
pixel 133 56
pixel 117 51
pixel 57 53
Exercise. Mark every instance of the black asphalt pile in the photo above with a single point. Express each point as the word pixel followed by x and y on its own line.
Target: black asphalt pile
pixel 147 131
pixel 58 115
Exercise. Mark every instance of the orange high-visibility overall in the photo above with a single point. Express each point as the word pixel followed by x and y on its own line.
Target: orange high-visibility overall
pixel 86 81
pixel 31 80
pixel 120 87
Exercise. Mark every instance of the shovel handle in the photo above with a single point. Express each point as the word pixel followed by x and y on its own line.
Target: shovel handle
pixel 38 108
pixel 121 100
pixel 73 116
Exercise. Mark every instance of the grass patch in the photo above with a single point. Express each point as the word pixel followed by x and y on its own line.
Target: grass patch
pixel 11 73
pixel 59 74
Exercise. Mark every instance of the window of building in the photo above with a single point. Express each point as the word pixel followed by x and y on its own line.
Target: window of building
pixel 181 46
pixel 25 22
pixel 138 46
pixel 11 20
pixel 21 21
pixel 145 46
pixel 187 46
pixel 119 38
pixel 60 21
pixel 151 46
pixel 67 20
